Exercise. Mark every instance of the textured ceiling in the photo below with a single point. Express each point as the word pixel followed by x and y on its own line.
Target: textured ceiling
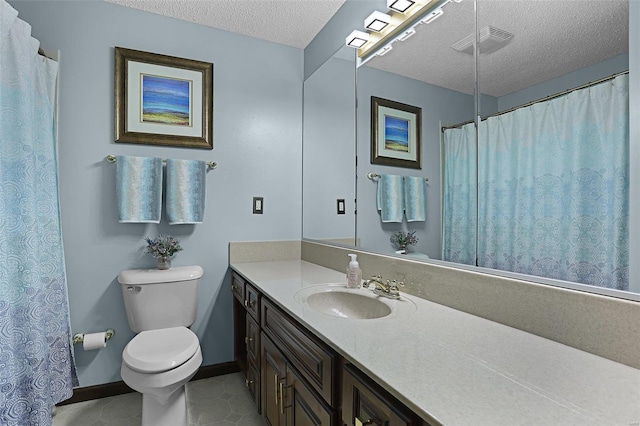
pixel 551 38
pixel 290 22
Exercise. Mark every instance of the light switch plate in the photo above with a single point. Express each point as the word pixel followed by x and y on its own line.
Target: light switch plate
pixel 340 206
pixel 258 205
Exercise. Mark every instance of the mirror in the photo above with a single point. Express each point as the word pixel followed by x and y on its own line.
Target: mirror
pixel 329 156
pixel 549 56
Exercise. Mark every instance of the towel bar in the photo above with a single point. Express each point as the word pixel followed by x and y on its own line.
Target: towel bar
pixel 372 176
pixel 112 159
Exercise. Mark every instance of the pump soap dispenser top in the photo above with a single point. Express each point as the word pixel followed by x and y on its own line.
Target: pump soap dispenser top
pixel 354 273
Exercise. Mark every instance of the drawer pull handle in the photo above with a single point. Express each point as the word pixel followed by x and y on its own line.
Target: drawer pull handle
pixel 233 287
pixel 281 398
pixel 361 423
pixel 248 382
pixel 247 340
pixel 275 383
pixel 249 304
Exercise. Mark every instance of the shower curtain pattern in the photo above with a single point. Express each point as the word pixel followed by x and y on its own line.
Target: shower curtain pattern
pixel 553 188
pixel 459 198
pixel 36 360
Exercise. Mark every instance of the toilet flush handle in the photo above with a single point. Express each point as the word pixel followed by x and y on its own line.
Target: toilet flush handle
pixel 134 288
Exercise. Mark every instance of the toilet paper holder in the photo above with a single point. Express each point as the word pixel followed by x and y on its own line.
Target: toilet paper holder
pixel 79 337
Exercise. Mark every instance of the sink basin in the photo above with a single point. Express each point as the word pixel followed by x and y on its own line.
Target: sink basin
pixel 348 305
pixel 338 301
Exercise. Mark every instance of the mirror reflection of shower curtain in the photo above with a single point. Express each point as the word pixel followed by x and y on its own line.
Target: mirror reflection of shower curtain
pixel 38 369
pixel 459 196
pixel 553 187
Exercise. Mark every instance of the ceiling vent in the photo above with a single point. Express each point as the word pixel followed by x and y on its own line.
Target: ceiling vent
pixel 491 39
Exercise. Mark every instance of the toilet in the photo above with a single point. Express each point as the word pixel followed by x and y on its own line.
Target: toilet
pixel 164 355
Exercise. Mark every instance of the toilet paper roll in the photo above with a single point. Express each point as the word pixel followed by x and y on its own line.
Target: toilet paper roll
pixel 94 341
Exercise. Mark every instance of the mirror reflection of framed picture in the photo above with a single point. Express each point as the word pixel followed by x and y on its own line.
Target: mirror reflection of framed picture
pixel 163 100
pixel 395 133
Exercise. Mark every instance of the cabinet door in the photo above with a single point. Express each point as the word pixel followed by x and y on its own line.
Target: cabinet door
pixel 365 403
pixel 303 406
pixel 273 375
pixel 252 340
pixel 253 383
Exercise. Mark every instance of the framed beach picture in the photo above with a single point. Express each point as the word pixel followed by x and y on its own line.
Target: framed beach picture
pixel 395 134
pixel 163 100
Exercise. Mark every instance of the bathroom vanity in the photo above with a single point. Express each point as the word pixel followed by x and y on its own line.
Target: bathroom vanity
pixel 419 363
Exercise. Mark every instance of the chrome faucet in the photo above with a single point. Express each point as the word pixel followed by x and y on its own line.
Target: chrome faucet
pixel 390 289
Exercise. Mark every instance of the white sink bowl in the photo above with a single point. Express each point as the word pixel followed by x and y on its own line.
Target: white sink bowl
pixel 348 305
pixel 342 302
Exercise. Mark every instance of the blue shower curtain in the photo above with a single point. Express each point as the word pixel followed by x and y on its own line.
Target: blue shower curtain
pixel 37 368
pixel 553 188
pixel 459 197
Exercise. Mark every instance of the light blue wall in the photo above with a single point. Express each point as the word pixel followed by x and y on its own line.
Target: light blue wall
pixel 440 106
pixel 568 81
pixel 257 144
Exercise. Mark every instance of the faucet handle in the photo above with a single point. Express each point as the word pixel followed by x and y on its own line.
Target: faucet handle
pixel 394 284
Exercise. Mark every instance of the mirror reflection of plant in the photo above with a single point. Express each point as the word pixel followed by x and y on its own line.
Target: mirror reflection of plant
pixel 162 246
pixel 401 240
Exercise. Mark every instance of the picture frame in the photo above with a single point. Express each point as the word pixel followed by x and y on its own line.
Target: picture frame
pixel 396 133
pixel 163 100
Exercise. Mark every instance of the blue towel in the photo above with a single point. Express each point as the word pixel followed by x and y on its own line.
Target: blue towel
pixel 390 198
pixel 415 198
pixel 186 190
pixel 139 189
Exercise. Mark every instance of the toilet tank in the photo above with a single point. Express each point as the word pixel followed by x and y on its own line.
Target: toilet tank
pixel 157 299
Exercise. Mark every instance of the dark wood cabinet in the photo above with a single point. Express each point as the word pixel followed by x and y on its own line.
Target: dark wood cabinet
pixel 274 375
pixel 303 406
pixel 298 380
pixel 366 403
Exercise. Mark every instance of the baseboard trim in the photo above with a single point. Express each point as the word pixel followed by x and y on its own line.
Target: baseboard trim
pixel 88 393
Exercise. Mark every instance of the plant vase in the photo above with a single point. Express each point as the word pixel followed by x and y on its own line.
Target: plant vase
pixel 163 263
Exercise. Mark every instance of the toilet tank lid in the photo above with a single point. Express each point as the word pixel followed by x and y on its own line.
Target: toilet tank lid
pixel 151 276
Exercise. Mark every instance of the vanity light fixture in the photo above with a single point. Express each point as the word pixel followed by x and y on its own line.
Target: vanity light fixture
pixel 405 35
pixel 377 21
pixel 384 50
pixel 432 16
pixel 357 39
pixel 401 5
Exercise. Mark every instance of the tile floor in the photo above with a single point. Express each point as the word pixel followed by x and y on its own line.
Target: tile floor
pixel 218 401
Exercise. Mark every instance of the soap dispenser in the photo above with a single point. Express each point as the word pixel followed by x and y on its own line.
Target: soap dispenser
pixel 354 273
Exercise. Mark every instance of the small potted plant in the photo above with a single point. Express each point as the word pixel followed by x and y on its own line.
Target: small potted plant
pixel 162 248
pixel 402 240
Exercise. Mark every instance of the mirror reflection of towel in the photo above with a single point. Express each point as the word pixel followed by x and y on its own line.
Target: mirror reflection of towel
pixel 390 198
pixel 186 191
pixel 415 198
pixel 138 189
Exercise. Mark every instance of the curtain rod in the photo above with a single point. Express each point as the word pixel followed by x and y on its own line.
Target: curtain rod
pixel 546 98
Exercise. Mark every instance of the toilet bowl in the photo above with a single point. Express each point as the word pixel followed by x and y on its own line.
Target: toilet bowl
pixel 165 354
pixel 158 364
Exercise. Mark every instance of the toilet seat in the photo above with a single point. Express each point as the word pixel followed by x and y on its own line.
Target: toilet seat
pixel 155 351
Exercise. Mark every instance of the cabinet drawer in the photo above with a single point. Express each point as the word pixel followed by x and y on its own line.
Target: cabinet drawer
pixel 315 361
pixel 237 287
pixel 370 404
pixel 252 301
pixel 252 340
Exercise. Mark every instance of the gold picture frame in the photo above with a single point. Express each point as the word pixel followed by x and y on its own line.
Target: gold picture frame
pixel 396 130
pixel 163 100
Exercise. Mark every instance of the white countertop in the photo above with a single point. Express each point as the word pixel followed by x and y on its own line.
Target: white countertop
pixel 458 368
